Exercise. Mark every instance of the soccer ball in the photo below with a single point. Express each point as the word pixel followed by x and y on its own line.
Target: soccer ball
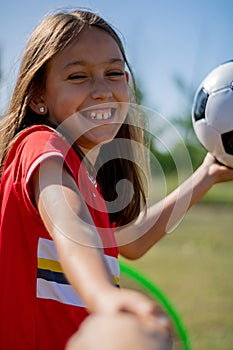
pixel 212 113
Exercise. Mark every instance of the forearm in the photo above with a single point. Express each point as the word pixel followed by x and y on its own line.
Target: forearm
pixel 160 218
pixel 79 247
pixel 85 269
pixel 70 225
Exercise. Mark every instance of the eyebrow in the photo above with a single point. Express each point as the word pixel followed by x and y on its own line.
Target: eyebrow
pixel 84 63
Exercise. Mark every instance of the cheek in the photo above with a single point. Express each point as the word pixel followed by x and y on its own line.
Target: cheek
pixel 62 103
pixel 123 94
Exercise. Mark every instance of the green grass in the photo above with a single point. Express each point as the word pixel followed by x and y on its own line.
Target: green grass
pixel 193 266
pixel 220 194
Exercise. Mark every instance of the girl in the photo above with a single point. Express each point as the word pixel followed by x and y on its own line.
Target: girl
pixel 58 252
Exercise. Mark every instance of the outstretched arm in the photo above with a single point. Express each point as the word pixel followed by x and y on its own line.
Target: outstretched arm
pixel 136 239
pixel 70 225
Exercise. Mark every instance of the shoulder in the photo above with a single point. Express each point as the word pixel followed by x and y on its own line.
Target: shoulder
pixel 37 134
pixel 37 143
pixel 33 132
pixel 39 140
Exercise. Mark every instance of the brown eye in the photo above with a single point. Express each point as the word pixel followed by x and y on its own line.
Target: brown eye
pixel 77 76
pixel 115 74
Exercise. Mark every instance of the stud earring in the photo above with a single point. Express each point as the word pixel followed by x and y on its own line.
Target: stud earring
pixel 42 109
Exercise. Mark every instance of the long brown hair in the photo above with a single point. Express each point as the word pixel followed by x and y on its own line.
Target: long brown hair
pixel 53 34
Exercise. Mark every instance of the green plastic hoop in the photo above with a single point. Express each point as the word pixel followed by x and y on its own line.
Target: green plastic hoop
pixel 162 299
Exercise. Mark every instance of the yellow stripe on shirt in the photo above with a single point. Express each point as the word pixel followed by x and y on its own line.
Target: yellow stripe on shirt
pixel 48 264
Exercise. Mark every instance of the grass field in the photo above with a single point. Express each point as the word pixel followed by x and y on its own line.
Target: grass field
pixel 193 266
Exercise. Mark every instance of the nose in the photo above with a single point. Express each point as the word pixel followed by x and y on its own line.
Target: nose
pixel 101 90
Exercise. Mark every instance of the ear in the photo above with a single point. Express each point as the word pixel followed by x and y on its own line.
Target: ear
pixel 38 105
pixel 127 76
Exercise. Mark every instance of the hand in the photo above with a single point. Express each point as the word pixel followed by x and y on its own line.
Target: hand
pixel 219 172
pixel 132 302
pixel 127 331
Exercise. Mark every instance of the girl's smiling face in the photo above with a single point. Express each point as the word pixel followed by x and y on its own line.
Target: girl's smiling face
pixel 88 79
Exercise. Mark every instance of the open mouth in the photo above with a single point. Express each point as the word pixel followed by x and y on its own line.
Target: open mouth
pixel 99 114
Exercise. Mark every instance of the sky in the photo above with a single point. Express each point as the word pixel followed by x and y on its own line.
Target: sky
pixel 163 40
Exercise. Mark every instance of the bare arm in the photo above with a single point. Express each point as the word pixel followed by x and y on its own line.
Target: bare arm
pixel 70 225
pixel 136 239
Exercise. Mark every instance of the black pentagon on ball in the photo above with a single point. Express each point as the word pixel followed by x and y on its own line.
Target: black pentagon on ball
pixel 227 140
pixel 199 104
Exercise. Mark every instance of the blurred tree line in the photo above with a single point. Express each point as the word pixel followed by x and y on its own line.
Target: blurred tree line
pixel 183 124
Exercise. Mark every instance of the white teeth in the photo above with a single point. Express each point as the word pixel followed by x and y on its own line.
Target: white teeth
pixel 107 115
pixel 100 115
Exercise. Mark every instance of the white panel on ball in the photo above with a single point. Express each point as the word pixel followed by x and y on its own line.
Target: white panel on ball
pixel 207 135
pixel 219 110
pixel 219 77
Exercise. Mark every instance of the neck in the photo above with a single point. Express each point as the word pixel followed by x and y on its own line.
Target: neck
pixel 91 154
